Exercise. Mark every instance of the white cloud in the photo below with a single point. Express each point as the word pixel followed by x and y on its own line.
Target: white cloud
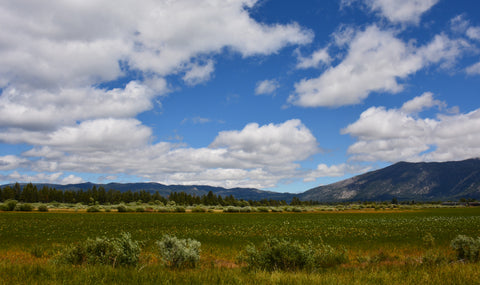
pixel 270 144
pixel 56 58
pixel 200 120
pixel 57 177
pixel 376 59
pixel 72 44
pixel 343 35
pixel 394 135
pixel 474 33
pixel 419 103
pixel 256 156
pixel 41 109
pixel 92 135
pixel 405 11
pixel 442 50
pixel 72 179
pixel 53 56
pixel 9 162
pixel 266 87
pixel 474 69
pixel 318 57
pixel 459 24
pixel 324 170
pixel 197 73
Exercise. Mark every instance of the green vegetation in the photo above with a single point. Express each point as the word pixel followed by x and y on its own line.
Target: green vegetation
pixel 467 248
pixel 179 253
pixel 285 255
pixel 102 250
pixel 340 246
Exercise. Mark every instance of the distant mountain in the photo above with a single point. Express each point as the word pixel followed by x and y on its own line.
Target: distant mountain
pixel 433 181
pixel 165 190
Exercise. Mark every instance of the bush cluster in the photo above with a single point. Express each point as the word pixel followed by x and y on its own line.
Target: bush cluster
pixel 93 209
pixel 233 209
pixel 467 248
pixel 24 207
pixel 9 205
pixel 179 253
pixel 115 251
pixel 42 208
pixel 13 205
pixel 285 255
pixel 198 209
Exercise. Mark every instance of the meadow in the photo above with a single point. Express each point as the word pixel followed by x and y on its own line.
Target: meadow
pixel 383 246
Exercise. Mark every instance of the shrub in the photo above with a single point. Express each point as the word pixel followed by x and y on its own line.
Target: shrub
pixel 285 255
pixel 198 209
pixel 43 208
pixel 9 205
pixel 262 209
pixel 164 209
pixel 116 251
pixel 247 209
pixel 24 207
pixel 180 209
pixel 93 209
pixel 140 209
pixel 179 253
pixel 122 209
pixel 467 248
pixel 231 209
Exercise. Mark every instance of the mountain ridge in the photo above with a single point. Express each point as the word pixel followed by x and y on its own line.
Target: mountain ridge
pixel 419 181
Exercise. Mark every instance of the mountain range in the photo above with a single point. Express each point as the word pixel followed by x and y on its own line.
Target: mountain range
pixel 423 181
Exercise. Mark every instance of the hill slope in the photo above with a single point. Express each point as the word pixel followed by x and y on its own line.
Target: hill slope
pixel 422 181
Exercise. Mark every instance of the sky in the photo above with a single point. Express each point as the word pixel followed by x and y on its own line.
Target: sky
pixel 271 94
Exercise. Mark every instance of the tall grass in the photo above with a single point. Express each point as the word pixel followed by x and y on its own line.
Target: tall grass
pixel 383 247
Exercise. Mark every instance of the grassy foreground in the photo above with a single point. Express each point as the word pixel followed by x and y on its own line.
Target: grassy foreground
pixel 384 247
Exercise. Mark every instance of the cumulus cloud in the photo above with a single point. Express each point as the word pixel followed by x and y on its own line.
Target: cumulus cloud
pixel 198 73
pixel 317 58
pixel 405 11
pixel 424 101
pixel 62 64
pixel 394 134
pixel 81 44
pixel 256 156
pixel 266 87
pixel 376 59
pixel 43 109
pixel 53 56
pixel 91 135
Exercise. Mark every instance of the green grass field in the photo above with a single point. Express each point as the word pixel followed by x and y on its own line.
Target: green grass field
pixel 384 247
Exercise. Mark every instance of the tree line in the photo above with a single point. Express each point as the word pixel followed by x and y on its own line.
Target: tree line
pixel 29 193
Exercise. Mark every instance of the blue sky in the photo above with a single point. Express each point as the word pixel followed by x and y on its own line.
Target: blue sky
pixel 277 95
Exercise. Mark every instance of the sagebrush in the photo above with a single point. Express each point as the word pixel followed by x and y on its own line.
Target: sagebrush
pixel 285 255
pixel 179 253
pixel 102 250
